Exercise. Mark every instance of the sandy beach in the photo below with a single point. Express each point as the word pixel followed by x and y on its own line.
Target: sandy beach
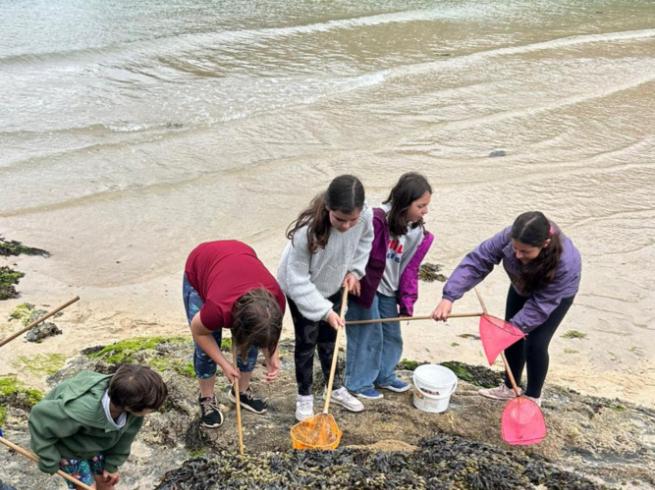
pixel 120 193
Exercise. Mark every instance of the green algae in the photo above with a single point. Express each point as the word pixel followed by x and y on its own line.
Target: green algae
pixel 180 367
pixel 14 392
pixel 8 279
pixel 3 415
pixel 22 312
pixel 39 364
pixel 476 375
pixel 13 247
pixel 226 345
pixel 408 365
pixel 125 351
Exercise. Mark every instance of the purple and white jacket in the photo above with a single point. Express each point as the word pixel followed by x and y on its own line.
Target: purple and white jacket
pixel 407 293
pixel 542 302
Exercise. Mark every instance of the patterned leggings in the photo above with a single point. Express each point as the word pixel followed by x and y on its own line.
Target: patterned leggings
pixel 83 469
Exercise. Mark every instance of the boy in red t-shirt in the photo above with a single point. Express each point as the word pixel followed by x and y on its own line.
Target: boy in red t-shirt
pixel 227 286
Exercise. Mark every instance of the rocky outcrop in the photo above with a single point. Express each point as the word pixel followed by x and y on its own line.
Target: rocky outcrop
pixel 592 442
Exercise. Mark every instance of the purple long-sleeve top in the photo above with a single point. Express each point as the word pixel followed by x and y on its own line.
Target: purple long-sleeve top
pixel 542 302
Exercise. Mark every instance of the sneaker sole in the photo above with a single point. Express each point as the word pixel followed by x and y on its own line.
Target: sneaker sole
pixel 243 405
pixel 214 426
pixel 350 409
pixel 304 418
pixel 395 390
pixel 493 397
pixel 366 397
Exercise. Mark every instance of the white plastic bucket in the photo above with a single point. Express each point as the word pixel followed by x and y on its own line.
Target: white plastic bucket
pixel 433 386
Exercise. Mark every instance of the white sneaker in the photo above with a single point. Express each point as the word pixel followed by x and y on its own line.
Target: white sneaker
pixel 501 392
pixel 304 407
pixel 346 400
pixel 536 400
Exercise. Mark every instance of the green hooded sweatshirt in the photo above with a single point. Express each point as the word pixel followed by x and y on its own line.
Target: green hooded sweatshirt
pixel 70 422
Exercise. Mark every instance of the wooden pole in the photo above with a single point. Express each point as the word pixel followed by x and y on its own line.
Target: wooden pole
pixel 33 457
pixel 409 318
pixel 237 394
pixel 36 322
pixel 333 367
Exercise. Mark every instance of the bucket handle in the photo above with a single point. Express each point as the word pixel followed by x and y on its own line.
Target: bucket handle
pixel 433 397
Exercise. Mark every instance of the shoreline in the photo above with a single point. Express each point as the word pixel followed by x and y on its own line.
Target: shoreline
pixel 105 315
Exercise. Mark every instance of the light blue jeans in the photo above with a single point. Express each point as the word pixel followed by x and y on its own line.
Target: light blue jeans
pixel 373 350
pixel 203 365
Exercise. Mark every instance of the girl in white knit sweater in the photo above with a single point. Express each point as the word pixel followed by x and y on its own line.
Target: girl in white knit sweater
pixel 328 248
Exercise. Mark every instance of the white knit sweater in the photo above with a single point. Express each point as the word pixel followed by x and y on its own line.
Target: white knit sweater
pixel 309 279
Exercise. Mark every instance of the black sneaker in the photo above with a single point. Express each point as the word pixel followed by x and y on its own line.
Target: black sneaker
pixel 210 415
pixel 248 401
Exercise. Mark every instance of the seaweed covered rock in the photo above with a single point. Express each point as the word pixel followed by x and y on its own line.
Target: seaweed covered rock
pixel 42 331
pixel 12 247
pixel 8 280
pixel 591 441
pixel 440 462
pixel 9 277
pixel 431 272
pixel 476 375
pixel 27 313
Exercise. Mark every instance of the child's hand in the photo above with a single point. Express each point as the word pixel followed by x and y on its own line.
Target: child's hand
pixel 110 478
pixel 442 310
pixel 351 283
pixel 272 367
pixel 230 372
pixel 335 320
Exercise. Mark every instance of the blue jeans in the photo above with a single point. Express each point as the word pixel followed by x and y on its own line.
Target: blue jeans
pixel 373 350
pixel 203 365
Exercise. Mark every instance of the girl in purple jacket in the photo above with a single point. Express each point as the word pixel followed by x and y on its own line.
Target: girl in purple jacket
pixel 544 269
pixel 389 286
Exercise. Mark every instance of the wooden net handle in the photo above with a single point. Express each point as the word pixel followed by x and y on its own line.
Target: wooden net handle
pixel 335 355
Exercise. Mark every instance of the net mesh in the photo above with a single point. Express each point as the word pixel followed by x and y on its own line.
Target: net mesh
pixel 318 432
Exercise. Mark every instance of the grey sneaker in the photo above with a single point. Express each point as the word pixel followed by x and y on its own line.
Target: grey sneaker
pixel 501 392
pixel 210 415
pixel 346 400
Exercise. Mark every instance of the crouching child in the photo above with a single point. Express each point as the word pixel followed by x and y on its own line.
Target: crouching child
pixel 86 425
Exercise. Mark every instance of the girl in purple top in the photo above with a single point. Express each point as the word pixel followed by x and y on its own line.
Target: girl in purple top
pixel 544 269
pixel 390 284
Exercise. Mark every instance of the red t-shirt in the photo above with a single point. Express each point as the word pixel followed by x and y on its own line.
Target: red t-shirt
pixel 222 272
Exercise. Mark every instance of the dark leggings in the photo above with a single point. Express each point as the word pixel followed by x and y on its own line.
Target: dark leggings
pixel 533 350
pixel 312 336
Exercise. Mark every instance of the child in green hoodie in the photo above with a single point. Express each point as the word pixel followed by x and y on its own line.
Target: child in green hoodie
pixel 86 425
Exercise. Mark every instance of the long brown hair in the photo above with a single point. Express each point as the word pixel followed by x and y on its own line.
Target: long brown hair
pixel 533 228
pixel 410 187
pixel 256 320
pixel 345 194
